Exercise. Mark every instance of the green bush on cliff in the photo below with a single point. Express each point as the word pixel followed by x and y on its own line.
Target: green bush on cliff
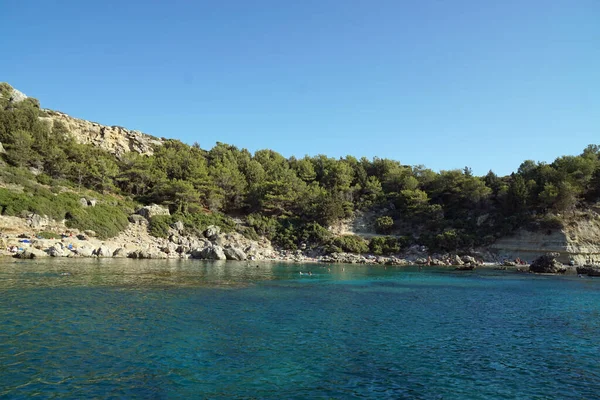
pixel 384 224
pixel 159 225
pixel 199 221
pixel 194 223
pixel 349 244
pixel 263 225
pixel 41 201
pixel 104 219
pixel 384 245
pixel 550 222
pixel 48 235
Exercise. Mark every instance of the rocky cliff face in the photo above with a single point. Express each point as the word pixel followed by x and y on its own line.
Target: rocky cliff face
pixel 114 139
pixel 578 241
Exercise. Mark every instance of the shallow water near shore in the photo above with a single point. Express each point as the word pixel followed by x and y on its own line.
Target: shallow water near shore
pixel 192 329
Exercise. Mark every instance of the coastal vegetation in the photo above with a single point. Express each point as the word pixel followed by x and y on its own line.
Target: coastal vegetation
pixel 291 201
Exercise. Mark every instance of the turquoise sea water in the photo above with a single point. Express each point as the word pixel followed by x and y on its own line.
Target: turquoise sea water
pixel 158 329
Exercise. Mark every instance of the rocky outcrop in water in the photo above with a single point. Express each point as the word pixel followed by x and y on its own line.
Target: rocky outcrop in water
pixel 589 270
pixel 548 264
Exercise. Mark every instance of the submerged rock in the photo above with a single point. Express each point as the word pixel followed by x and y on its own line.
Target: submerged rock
pixel 467 267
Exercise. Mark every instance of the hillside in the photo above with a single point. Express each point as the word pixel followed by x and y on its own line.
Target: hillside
pixel 318 205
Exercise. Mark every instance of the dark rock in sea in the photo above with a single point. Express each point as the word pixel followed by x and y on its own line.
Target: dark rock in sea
pixel 589 270
pixel 467 267
pixel 548 264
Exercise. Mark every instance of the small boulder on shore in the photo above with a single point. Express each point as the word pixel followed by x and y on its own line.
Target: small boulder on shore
pixel 146 254
pixel 31 254
pixel 84 251
pixel 103 251
pixel 120 253
pixel 456 260
pixel 212 232
pixel 209 253
pixel 152 210
pixel 57 250
pixel 233 253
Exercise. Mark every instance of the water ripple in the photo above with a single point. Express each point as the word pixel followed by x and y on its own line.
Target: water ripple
pixel 213 330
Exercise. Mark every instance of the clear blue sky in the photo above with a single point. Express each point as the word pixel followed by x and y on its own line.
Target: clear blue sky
pixel 446 84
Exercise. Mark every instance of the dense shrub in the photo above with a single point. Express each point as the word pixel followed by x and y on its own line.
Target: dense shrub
pixel 159 225
pixel 384 224
pixel 106 220
pixel 41 201
pixel 450 240
pixel 44 179
pixel 313 234
pixel 350 244
pixel 199 221
pixel 550 222
pixel 263 225
pixel 48 235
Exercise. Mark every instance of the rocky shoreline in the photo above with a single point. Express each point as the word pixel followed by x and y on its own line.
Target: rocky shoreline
pixel 136 242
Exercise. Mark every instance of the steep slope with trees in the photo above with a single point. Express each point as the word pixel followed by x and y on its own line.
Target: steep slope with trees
pixel 291 201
